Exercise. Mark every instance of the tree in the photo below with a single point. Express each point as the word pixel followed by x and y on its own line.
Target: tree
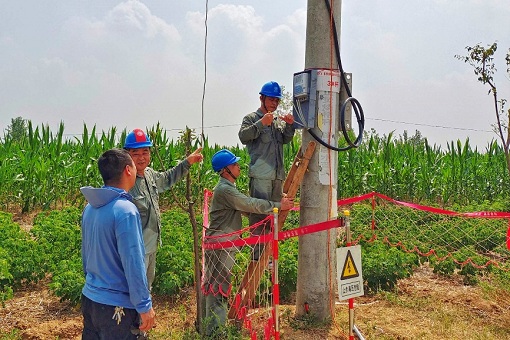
pixel 482 60
pixel 417 139
pixel 17 130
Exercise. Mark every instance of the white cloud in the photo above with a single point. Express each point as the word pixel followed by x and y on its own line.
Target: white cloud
pixel 243 17
pixel 134 14
pixel 133 63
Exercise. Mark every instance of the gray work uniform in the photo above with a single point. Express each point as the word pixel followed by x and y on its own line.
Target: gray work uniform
pixel 146 198
pixel 267 172
pixel 225 217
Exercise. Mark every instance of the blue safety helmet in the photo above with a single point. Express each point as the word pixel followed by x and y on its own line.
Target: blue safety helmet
pixel 137 139
pixel 271 89
pixel 223 158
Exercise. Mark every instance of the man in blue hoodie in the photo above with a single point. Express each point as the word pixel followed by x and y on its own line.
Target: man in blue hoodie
pixel 116 302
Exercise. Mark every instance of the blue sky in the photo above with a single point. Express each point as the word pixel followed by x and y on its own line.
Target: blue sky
pixel 135 63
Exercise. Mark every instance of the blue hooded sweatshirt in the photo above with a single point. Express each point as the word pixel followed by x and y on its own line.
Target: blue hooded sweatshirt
pixel 113 250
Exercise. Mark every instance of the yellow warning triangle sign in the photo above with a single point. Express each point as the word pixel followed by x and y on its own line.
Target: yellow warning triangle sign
pixel 349 271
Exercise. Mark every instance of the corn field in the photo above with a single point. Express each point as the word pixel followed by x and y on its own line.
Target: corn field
pixel 44 170
pixel 411 169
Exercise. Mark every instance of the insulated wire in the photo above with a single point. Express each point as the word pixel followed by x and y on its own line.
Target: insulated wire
pixel 205 69
pixel 330 161
pixel 354 102
pixel 296 104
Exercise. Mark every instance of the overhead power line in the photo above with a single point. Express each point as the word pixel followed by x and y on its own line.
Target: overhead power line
pixel 376 119
pixel 429 125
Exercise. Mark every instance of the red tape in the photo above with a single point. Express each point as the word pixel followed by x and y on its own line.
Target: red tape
pixel 312 228
pixel 508 236
pixel 480 214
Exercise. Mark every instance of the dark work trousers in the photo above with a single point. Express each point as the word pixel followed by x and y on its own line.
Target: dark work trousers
pixel 266 189
pixel 99 325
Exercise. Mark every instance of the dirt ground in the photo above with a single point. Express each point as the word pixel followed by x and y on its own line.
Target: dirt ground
pixel 425 306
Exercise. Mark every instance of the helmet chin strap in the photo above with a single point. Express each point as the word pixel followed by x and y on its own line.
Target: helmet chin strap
pixel 264 103
pixel 230 173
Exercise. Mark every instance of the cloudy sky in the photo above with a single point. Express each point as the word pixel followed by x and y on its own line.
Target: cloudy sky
pixel 135 63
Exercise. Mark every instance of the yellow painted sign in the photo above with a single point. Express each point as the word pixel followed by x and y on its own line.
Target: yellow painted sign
pixel 349 271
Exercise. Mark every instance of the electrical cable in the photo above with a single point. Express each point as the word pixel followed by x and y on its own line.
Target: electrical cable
pixel 205 68
pixel 331 172
pixel 360 117
pixel 354 102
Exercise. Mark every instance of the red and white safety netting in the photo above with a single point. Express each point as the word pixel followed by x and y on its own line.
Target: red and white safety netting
pixel 228 269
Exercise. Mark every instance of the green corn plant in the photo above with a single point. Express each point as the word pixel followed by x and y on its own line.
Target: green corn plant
pixel 45 170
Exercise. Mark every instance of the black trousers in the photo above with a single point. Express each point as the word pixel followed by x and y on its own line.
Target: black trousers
pixel 98 323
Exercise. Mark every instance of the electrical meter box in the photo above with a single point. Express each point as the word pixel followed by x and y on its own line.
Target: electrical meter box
pixel 306 87
pixel 305 98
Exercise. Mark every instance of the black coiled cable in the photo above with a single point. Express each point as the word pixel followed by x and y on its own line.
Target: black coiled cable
pixel 360 117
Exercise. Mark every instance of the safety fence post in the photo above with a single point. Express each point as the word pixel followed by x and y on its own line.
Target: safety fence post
pixel 276 287
pixel 347 215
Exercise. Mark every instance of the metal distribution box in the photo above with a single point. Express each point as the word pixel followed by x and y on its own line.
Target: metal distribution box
pixel 307 85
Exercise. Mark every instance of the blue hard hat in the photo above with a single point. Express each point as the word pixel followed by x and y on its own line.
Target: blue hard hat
pixel 271 89
pixel 137 139
pixel 222 159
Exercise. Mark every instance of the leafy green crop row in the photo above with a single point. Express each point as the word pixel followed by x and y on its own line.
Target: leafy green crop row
pixel 53 247
pixel 391 251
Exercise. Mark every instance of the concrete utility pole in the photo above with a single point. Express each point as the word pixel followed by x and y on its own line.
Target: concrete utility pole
pixel 316 261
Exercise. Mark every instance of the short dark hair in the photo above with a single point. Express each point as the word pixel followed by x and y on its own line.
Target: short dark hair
pixel 112 163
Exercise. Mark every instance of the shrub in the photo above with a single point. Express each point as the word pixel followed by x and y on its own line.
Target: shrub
pixel 24 256
pixel 59 235
pixel 174 265
pixel 68 280
pixel 5 277
pixel 384 265
pixel 288 267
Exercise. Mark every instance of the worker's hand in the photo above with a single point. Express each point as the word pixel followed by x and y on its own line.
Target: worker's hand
pixel 288 118
pixel 195 157
pixel 148 320
pixel 286 203
pixel 267 119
